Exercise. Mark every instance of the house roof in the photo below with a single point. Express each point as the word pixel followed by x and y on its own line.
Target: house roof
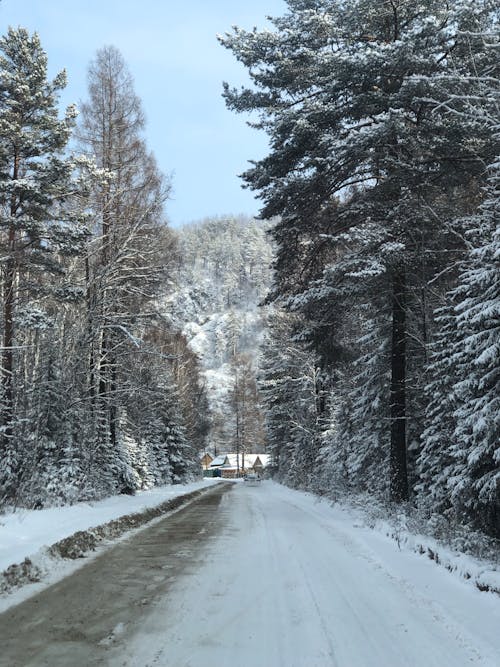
pixel 219 461
pixel 264 459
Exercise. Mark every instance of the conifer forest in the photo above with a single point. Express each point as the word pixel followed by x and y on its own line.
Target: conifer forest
pixel 351 330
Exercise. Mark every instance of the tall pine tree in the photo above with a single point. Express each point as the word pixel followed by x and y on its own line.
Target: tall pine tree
pixel 38 223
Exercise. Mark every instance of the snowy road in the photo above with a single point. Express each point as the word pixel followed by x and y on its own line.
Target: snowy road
pixel 256 577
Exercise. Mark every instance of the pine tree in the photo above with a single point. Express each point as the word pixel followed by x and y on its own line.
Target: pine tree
pixel 459 463
pixel 460 460
pixel 434 461
pixel 288 385
pixel 39 225
pixel 361 157
pixel 475 474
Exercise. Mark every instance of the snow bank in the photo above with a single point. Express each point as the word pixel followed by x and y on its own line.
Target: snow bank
pixel 478 567
pixel 484 574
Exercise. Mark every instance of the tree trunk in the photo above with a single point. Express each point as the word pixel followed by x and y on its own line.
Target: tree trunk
pixel 8 320
pixel 90 337
pixel 113 411
pixel 103 393
pixel 398 470
pixel 8 340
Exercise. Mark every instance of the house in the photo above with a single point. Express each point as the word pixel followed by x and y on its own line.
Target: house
pixel 206 460
pixel 231 465
pixel 261 462
pixel 216 466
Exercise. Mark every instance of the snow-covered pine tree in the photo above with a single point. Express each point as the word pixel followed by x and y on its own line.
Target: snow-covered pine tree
pixel 459 466
pixel 190 390
pixel 475 474
pixel 288 384
pixel 460 460
pixel 39 224
pixel 434 461
pixel 344 91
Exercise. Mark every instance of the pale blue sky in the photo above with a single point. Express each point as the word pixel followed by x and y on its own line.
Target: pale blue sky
pixel 171 49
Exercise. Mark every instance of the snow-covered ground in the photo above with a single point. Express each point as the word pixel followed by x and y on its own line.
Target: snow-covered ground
pixel 293 582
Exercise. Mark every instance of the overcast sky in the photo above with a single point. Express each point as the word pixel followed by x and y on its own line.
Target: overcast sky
pixel 171 49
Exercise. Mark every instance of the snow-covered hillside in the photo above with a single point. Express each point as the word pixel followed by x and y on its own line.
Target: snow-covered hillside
pixel 224 275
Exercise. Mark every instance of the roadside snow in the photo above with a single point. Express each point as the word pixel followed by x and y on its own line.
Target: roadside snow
pixel 480 572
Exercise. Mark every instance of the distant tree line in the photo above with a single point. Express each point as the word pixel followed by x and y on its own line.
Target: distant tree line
pixel 382 364
pixel 98 393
